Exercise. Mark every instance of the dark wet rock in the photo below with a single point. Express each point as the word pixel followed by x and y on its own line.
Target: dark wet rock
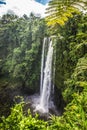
pixel 58 100
pixel 7 94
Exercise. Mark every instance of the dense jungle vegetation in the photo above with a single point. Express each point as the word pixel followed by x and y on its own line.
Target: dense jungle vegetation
pixel 21 42
pixel 20 56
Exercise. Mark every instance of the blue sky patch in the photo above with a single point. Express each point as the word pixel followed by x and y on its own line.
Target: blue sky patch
pixel 2 2
pixel 42 1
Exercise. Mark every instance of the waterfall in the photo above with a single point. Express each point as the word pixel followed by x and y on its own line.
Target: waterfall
pixel 46 78
pixel 42 66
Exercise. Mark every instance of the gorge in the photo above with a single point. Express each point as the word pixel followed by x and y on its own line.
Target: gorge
pixel 44 101
pixel 46 73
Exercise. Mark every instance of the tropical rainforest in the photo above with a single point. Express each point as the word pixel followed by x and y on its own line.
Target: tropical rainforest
pixel 21 40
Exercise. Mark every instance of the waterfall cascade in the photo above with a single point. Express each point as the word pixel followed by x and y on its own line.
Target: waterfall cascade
pixel 43 103
pixel 42 66
pixel 46 78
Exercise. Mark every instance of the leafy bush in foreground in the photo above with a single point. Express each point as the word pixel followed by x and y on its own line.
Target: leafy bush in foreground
pixel 18 121
pixel 74 117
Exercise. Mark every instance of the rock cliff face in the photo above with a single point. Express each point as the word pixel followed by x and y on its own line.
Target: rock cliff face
pixel 59 101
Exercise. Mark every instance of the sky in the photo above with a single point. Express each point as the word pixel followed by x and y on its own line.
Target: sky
pixel 21 7
pixel 43 1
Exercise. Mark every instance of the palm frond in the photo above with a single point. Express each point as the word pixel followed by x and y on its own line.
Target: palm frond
pixel 59 11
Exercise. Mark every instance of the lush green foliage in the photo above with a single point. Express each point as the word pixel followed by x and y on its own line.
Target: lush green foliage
pixel 71 73
pixel 20 45
pixel 71 59
pixel 18 121
pixel 21 42
pixel 20 48
pixel 59 11
pixel 74 117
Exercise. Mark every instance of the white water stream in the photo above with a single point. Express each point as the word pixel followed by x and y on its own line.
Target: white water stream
pixel 43 103
pixel 46 79
pixel 42 65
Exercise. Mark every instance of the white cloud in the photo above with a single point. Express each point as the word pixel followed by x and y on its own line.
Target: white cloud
pixel 21 7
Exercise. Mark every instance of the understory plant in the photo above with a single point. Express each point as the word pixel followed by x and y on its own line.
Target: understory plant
pixel 17 120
